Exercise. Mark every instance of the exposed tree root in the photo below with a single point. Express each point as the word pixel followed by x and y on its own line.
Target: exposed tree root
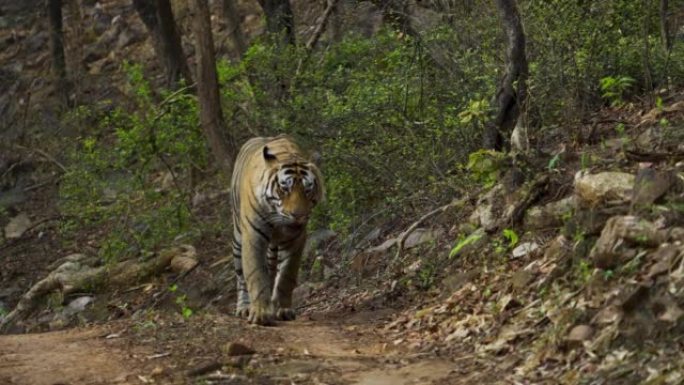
pixel 75 275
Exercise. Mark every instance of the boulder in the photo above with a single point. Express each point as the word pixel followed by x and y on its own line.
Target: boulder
pixel 649 185
pixel 550 215
pixel 620 238
pixel 605 187
pixel 489 209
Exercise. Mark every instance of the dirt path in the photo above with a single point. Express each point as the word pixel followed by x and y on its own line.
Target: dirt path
pixel 305 351
pixel 74 356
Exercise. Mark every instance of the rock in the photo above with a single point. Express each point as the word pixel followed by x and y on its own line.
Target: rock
pixel 580 333
pixel 182 264
pixel 619 238
pixel 672 312
pixel 590 221
pixel 371 237
pixel 558 249
pixel 664 258
pixel 521 279
pixel 525 249
pixel 649 185
pixel 127 37
pixel 17 226
pixel 605 187
pixel 420 236
pixel 238 349
pixel 550 215
pixel 489 208
pixel 79 304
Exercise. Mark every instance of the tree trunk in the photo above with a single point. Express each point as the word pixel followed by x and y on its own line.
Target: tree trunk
pixel 211 116
pixel 158 18
pixel 665 26
pixel 54 11
pixel 279 19
pixel 232 19
pixel 176 65
pixel 509 101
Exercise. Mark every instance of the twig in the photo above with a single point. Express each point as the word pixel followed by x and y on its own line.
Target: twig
pixel 173 95
pixel 414 226
pixel 318 32
pixel 320 27
pixel 44 155
pixel 642 156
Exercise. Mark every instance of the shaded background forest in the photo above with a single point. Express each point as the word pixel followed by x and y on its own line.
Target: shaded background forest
pixel 115 154
pixel 395 95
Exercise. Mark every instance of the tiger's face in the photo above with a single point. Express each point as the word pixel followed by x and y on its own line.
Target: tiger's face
pixel 293 190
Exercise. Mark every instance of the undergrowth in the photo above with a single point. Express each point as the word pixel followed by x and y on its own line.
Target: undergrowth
pixel 396 118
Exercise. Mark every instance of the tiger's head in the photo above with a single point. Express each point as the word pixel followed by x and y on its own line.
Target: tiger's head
pixel 294 187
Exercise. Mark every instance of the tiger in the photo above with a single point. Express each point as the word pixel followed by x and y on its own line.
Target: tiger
pixel 274 188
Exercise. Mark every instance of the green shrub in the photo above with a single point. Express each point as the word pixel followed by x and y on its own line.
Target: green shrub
pixel 131 173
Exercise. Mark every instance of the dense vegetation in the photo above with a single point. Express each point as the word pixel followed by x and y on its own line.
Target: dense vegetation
pixel 394 115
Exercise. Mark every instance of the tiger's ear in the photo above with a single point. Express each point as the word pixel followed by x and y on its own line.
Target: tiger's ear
pixel 268 156
pixel 320 186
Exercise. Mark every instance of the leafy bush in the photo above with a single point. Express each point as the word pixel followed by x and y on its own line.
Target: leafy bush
pixel 131 173
pixel 383 118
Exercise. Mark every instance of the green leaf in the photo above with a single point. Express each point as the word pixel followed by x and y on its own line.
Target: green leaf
pixel 474 237
pixel 553 163
pixel 511 236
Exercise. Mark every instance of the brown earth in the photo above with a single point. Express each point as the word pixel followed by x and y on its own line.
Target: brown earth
pixel 342 351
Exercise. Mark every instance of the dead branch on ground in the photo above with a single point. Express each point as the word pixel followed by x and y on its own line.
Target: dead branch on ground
pixel 402 239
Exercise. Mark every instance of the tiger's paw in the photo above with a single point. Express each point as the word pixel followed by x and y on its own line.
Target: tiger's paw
pixel 261 315
pixel 242 311
pixel 286 314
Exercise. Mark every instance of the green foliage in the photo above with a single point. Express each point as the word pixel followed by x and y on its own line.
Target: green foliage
pixel 511 236
pixel 130 173
pixel 394 117
pixel 476 112
pixel 553 162
pixel 484 166
pixel 465 241
pixel 614 88
pixel 385 120
pixel 182 301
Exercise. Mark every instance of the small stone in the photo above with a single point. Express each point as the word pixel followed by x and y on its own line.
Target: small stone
pixel 525 249
pixel 79 304
pixel 239 361
pixel 17 226
pixel 238 349
pixel 580 333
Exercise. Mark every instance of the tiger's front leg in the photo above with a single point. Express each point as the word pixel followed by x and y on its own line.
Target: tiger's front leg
pixel 254 248
pixel 289 258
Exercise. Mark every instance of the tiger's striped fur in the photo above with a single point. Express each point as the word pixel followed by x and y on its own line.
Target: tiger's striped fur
pixel 274 188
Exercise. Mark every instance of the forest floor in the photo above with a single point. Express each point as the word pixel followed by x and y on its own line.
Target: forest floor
pixel 333 351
